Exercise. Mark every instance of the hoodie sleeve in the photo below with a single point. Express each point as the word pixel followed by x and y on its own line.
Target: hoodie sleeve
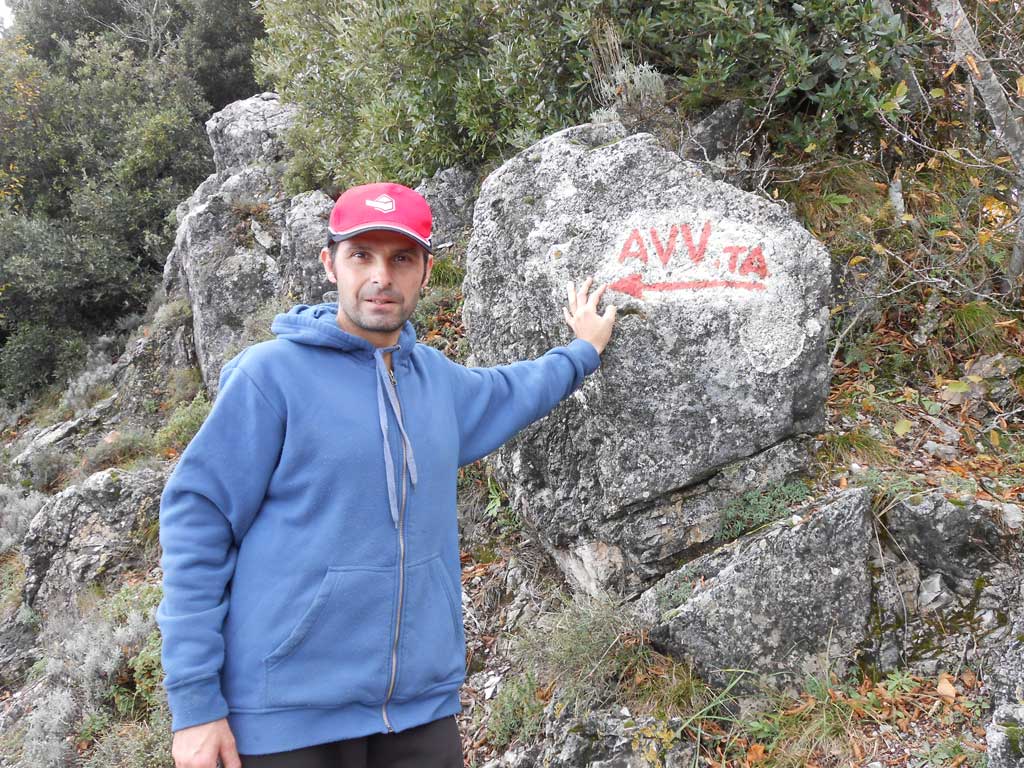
pixel 207 505
pixel 493 404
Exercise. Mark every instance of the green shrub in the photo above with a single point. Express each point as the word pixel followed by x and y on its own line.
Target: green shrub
pixel 757 508
pixel 143 597
pixel 183 385
pixel 144 744
pixel 408 88
pixel 591 651
pixel 517 712
pixel 173 314
pixel 35 355
pixel 114 450
pixel 137 688
pixel 48 468
pixel 183 424
pixel 12 580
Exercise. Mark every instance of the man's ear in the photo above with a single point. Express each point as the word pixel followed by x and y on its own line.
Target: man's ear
pixel 426 271
pixel 325 259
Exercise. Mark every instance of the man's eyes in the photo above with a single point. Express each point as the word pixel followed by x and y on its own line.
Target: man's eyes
pixel 401 258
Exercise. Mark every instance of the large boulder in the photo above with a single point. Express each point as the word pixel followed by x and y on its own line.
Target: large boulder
pixel 236 253
pixel 784 605
pixel 719 353
pixel 90 533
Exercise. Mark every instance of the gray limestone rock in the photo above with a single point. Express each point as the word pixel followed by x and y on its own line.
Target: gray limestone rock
pixel 784 605
pixel 89 533
pixel 602 740
pixel 240 250
pixel 250 131
pixel 719 353
pixel 303 237
pixel 961 540
pixel 451 193
pixel 1005 737
pixel 715 143
pixel 947 575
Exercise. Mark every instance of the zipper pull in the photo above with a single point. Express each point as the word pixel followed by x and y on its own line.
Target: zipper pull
pixel 391 375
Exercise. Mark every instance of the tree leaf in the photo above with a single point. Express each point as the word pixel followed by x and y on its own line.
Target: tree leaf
pixel 902 427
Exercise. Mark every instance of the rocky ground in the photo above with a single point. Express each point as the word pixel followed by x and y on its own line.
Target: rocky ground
pixel 894 441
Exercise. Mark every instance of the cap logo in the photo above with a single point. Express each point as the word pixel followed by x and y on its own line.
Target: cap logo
pixel 383 203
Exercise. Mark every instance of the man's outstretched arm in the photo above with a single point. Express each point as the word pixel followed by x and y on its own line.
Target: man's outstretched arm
pixel 495 403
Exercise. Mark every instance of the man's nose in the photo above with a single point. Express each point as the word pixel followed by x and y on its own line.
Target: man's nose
pixel 381 274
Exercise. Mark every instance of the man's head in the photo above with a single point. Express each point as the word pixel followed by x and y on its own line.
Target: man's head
pixel 378 254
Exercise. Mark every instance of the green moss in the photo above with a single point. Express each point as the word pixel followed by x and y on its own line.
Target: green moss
pixel 1014 732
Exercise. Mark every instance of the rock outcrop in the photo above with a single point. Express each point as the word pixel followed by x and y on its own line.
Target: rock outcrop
pixel 783 606
pixel 718 357
pixel 244 250
pixel 90 533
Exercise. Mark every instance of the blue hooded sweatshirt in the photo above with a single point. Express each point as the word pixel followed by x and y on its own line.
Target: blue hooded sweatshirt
pixel 312 585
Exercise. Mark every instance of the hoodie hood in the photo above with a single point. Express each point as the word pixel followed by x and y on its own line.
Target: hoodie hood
pixel 318 326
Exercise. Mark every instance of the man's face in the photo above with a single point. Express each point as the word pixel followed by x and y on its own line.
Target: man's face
pixel 379 275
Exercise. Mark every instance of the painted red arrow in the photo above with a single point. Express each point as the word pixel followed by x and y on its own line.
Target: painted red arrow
pixel 635 286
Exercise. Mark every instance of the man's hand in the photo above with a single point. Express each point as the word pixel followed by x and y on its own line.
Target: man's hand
pixel 583 318
pixel 201 745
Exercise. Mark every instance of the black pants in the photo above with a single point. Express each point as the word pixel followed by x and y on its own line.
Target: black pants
pixel 434 745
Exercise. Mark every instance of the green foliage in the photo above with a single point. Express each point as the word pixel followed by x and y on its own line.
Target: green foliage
pixel 144 744
pixel 499 510
pixel 115 450
pixel 35 355
pixel 101 149
pixel 212 39
pixel 821 67
pixel 446 273
pixel 92 726
pixel 173 314
pixel 12 580
pixel 591 651
pixel 402 89
pixel 183 424
pixel 517 713
pixel 140 597
pixel 48 468
pixel 840 448
pixel 183 385
pixel 975 326
pixel 137 690
pixel 757 508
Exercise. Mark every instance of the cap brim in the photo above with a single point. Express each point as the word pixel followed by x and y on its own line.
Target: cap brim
pixel 337 237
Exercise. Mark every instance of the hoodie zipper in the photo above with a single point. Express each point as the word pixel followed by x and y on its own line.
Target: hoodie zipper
pixel 401 572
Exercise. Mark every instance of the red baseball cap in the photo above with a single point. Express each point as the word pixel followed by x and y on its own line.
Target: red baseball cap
pixel 383 205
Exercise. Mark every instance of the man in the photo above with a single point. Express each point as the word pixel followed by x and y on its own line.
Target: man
pixel 312 611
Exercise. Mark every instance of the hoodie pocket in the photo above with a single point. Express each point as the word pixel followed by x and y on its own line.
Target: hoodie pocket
pixel 433 647
pixel 337 652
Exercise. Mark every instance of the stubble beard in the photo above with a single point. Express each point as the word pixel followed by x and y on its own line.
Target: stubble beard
pixel 360 319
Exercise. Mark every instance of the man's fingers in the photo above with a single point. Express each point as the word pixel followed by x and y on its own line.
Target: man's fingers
pixel 570 289
pixel 567 316
pixel 610 312
pixel 229 753
pixel 581 298
pixel 592 301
